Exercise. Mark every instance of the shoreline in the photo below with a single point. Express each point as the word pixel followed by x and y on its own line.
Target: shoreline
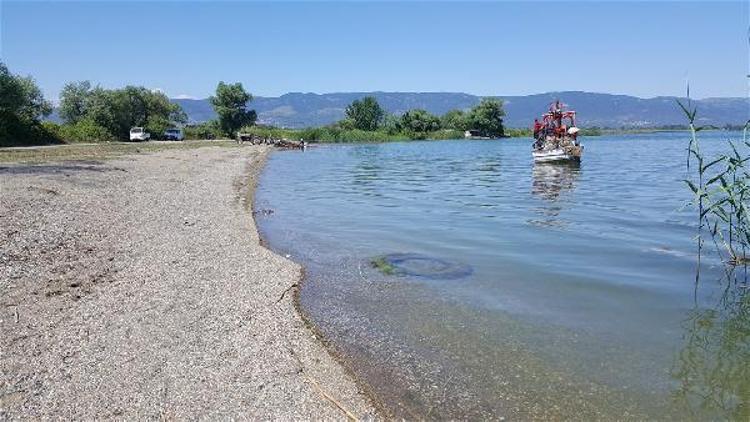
pixel 367 389
pixel 327 344
pixel 138 287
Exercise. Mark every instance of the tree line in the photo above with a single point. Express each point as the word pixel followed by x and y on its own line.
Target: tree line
pixel 22 106
pixel 486 119
pixel 91 113
pixel 366 120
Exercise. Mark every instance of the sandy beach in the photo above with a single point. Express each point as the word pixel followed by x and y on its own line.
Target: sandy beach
pixel 137 288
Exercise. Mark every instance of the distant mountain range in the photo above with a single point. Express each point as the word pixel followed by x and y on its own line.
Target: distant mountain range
pixel 296 110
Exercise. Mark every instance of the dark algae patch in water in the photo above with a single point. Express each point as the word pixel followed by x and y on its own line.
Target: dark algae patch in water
pixel 382 265
pixel 422 266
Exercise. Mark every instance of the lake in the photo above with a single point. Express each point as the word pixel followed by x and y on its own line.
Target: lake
pixel 509 289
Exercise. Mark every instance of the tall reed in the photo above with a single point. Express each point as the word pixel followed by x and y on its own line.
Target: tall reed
pixel 721 190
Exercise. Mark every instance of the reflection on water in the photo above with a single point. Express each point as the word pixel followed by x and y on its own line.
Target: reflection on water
pixel 575 306
pixel 553 179
pixel 713 366
pixel 550 182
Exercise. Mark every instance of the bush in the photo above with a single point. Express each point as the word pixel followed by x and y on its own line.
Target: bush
pixel 22 106
pixel 205 130
pixel 52 129
pixel 115 111
pixel 335 133
pixel 14 132
pixel 273 132
pixel 357 135
pixel 519 132
pixel 85 131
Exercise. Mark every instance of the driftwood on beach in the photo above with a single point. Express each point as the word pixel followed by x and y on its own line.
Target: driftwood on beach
pixel 262 140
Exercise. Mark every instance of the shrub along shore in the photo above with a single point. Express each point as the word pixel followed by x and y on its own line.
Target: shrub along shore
pixel 367 121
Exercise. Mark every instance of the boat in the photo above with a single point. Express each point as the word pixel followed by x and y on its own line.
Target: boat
pixel 557 154
pixel 556 136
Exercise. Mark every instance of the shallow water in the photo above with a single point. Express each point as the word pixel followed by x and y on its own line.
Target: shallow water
pixel 577 298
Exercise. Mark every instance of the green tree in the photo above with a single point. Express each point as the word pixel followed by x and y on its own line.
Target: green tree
pixel 391 124
pixel 454 119
pixel 74 100
pixel 102 111
pixel 118 110
pixel 21 97
pixel 22 106
pixel 230 104
pixel 419 121
pixel 365 114
pixel 487 118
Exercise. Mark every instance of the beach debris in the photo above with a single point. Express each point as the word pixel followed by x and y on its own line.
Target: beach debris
pixel 293 286
pixel 43 189
pixel 264 212
pixel 301 370
pixel 277 142
pixel 422 266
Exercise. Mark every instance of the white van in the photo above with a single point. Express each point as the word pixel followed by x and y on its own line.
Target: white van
pixel 139 134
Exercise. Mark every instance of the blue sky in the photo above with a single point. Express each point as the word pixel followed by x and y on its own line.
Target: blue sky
pixel 486 48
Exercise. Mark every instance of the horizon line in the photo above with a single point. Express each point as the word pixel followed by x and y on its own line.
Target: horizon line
pixel 194 98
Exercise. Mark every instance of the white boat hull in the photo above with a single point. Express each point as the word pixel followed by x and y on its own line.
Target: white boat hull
pixel 557 154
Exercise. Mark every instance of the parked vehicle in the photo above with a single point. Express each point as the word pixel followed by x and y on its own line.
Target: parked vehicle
pixel 139 134
pixel 174 134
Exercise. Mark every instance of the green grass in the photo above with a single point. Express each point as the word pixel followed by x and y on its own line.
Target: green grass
pixel 333 134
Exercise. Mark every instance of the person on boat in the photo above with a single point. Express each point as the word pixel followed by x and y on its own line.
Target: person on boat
pixel 537 128
pixel 573 132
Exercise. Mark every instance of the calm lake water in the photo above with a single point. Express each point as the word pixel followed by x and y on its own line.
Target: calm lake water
pixel 573 295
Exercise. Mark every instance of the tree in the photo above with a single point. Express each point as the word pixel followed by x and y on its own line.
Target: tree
pixel 454 119
pixel 74 99
pixel 487 118
pixel 419 121
pixel 391 124
pixel 365 114
pixel 22 106
pixel 118 110
pixel 21 97
pixel 230 104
